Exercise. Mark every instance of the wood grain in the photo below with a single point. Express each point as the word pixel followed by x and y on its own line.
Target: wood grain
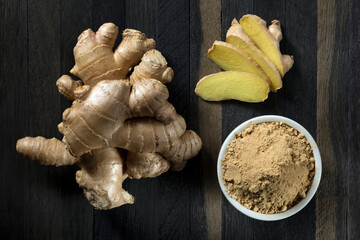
pixel 176 188
pixel 235 225
pixel 14 170
pixel 139 220
pixel 197 194
pixel 333 198
pixel 289 101
pixel 321 92
pixel 353 180
pixel 44 109
pixel 326 202
pixel 74 206
pixel 210 119
pixel 338 121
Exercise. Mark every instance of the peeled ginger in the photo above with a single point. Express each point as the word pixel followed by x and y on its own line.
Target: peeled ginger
pixel 235 85
pixel 252 62
pixel 267 40
pixel 237 37
pixel 231 58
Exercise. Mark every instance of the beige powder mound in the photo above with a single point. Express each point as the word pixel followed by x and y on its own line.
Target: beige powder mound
pixel 268 167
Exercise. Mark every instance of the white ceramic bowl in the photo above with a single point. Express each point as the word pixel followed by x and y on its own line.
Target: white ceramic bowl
pixel 312 190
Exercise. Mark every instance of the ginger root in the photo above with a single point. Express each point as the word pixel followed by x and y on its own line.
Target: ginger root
pixel 152 65
pixel 66 86
pixel 101 176
pixel 267 40
pixel 227 85
pixel 45 151
pixel 145 165
pixel 95 59
pixel 118 125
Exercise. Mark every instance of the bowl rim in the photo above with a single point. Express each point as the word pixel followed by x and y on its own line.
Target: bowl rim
pixel 315 184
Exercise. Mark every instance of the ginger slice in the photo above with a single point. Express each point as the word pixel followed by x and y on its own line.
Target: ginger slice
pixel 267 40
pixel 231 58
pixel 227 85
pixel 237 37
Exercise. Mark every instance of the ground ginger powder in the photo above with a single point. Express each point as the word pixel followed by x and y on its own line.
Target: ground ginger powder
pixel 268 167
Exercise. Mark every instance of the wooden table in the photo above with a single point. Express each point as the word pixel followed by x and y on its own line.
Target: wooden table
pixel 321 92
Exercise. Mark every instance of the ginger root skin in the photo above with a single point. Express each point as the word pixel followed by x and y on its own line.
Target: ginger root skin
pixel 186 147
pixel 45 151
pixel 140 165
pixel 66 86
pixel 267 40
pixel 237 37
pixel 104 119
pixel 95 61
pixel 111 114
pixel 153 65
pixel 101 177
pixel 246 87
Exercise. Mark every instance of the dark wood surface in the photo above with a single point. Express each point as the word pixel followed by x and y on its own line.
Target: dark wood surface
pixel 321 92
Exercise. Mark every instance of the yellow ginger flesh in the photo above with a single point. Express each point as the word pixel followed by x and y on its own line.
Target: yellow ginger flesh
pixel 237 37
pixel 267 40
pixel 227 85
pixel 230 58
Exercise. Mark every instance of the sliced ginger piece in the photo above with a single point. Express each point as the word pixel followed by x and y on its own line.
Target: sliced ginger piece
pixel 231 58
pixel 267 40
pixel 235 85
pixel 237 37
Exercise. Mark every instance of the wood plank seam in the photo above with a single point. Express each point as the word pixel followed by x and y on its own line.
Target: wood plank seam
pixel 210 120
pixel 325 216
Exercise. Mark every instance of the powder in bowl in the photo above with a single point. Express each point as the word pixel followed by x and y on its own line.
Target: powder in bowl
pixel 268 167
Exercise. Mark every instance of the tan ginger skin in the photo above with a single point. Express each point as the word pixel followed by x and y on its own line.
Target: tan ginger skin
pixel 111 113
pixel 66 86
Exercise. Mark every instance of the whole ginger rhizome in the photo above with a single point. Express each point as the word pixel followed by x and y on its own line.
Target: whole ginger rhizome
pixel 120 123
pixel 268 167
